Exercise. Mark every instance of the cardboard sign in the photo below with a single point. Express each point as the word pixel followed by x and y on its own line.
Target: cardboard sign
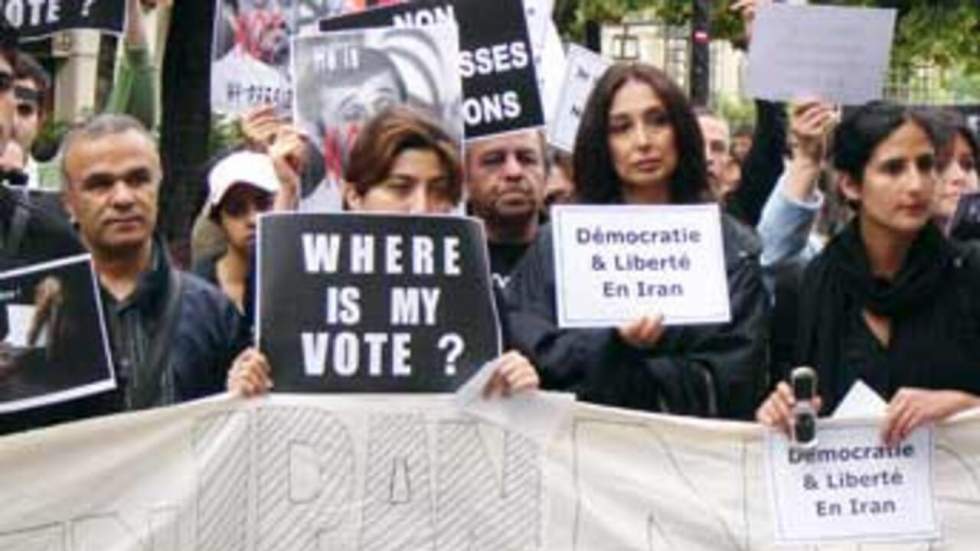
pixel 835 53
pixel 35 19
pixel 582 69
pixel 345 78
pixel 851 487
pixel 618 263
pixel 54 344
pixel 370 303
pixel 496 58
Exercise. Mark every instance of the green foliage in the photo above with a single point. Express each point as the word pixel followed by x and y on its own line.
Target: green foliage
pixel 736 110
pixel 49 139
pixel 225 133
pixel 940 32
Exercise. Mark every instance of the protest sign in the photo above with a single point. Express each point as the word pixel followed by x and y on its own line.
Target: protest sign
pixel 617 263
pixel 54 346
pixel 839 54
pixel 344 78
pixel 582 69
pixel 370 303
pixel 496 58
pixel 35 19
pixel 250 49
pixel 851 487
pixel 393 473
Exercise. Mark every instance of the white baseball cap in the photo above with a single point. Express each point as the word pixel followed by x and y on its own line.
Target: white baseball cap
pixel 242 167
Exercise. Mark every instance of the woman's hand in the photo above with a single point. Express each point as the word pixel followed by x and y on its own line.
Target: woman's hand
pixel 644 332
pixel 249 374
pixel 514 373
pixel 777 410
pixel 911 408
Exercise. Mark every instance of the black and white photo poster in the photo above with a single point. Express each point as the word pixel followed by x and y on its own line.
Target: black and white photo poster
pixel 496 61
pixel 53 342
pixel 374 303
pixel 36 19
pixel 250 48
pixel 344 78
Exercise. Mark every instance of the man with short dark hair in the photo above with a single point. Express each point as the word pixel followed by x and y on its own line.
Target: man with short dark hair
pixel 28 235
pixel 505 182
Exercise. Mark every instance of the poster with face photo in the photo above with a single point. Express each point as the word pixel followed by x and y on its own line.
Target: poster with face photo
pixel 53 342
pixel 250 50
pixel 344 78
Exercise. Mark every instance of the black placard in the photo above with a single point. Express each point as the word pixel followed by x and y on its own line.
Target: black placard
pixel 53 342
pixel 39 18
pixel 371 303
pixel 500 88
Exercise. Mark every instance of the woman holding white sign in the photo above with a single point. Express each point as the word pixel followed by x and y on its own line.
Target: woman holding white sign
pixel 890 300
pixel 403 162
pixel 639 143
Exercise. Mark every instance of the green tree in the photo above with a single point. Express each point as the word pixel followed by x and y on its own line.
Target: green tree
pixel 940 32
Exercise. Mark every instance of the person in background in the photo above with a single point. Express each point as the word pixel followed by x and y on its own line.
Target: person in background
pixel 560 185
pixel 402 162
pixel 639 143
pixel 890 300
pixel 957 164
pixel 505 184
pixel 242 186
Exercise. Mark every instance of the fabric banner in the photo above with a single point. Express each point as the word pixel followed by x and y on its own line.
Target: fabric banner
pixel 298 473
pixel 369 303
pixel 36 19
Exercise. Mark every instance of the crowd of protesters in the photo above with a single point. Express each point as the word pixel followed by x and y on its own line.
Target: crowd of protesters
pixel 840 249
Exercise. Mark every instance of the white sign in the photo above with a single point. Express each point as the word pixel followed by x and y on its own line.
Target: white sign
pixel 582 69
pixel 838 54
pixel 617 263
pixel 851 487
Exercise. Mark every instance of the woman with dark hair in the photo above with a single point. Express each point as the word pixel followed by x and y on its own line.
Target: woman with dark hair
pixel 639 143
pixel 403 162
pixel 890 300
pixel 957 159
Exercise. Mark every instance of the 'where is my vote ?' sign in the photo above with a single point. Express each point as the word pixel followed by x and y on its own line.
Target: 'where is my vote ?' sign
pixel 851 487
pixel 371 303
pixel 496 62
pixel 40 18
pixel 617 263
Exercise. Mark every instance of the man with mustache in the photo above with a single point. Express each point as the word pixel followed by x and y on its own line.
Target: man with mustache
pixel 505 182
pixel 173 336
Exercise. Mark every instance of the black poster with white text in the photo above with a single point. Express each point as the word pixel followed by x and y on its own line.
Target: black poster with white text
pixel 496 63
pixel 39 18
pixel 372 303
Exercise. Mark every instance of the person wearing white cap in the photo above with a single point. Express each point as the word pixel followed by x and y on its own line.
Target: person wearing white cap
pixel 241 186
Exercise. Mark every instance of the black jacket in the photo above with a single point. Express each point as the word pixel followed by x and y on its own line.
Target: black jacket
pixel 708 370
pixel 205 337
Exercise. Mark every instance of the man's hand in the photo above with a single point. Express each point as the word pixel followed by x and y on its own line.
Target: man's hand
pixel 912 408
pixel 746 10
pixel 249 374
pixel 644 332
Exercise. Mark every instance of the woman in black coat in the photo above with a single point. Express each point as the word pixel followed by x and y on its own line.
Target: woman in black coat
pixel 890 300
pixel 639 143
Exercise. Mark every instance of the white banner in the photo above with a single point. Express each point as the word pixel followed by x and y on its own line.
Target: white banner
pixel 297 473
